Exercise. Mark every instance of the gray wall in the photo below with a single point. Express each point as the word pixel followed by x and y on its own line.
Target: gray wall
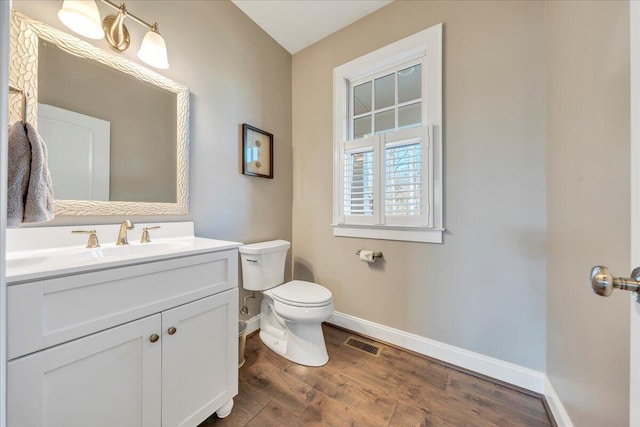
pixel 484 288
pixel 236 74
pixel 588 195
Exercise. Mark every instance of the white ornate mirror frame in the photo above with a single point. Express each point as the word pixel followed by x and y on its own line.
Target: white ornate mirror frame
pixel 23 74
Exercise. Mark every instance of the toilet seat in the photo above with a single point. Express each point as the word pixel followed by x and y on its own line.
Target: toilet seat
pixel 299 293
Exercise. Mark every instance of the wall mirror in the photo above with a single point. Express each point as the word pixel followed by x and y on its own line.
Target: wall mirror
pixel 117 133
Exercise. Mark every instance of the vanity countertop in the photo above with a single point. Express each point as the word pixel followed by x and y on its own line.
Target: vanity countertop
pixel 28 264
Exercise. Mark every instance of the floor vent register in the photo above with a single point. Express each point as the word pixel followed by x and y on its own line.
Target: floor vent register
pixel 360 345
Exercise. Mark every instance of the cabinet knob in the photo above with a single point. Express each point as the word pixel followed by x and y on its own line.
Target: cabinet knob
pixel 172 330
pixel 154 338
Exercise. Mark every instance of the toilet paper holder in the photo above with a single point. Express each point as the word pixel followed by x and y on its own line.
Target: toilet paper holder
pixel 376 254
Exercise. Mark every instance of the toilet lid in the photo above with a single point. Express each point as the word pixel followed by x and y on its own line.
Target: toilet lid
pixel 299 292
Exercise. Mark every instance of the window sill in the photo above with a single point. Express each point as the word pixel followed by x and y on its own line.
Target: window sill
pixel 407 234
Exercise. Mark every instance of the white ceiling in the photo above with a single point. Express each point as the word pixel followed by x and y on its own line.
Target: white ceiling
pixel 296 24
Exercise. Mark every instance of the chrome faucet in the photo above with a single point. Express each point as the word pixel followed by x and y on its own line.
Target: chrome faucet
pixel 122 235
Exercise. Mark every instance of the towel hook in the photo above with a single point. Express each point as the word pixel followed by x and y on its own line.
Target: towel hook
pixel 23 104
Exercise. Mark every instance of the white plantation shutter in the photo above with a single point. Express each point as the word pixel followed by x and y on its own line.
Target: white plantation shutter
pixel 358 183
pixel 359 175
pixel 403 180
pixel 384 179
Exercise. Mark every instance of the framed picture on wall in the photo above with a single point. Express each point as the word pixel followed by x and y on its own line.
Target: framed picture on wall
pixel 257 152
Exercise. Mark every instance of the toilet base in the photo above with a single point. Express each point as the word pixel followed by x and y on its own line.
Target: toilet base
pixel 302 344
pixel 299 341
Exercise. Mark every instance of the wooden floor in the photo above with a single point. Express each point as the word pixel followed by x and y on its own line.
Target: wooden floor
pixel 396 388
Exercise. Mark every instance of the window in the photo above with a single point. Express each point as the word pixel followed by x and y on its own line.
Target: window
pixel 386 103
pixel 388 142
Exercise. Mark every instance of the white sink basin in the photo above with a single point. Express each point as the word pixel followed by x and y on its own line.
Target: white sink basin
pixel 136 249
pixel 74 256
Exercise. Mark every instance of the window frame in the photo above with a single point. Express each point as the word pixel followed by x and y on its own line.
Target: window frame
pixel 424 47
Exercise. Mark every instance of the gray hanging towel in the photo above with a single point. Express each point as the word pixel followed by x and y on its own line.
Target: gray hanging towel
pixel 38 205
pixel 18 173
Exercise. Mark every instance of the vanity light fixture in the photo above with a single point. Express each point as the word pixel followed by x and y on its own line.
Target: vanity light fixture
pixel 82 16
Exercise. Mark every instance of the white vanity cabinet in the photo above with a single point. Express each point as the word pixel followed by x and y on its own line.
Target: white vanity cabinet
pixel 199 340
pixel 150 344
pixel 111 378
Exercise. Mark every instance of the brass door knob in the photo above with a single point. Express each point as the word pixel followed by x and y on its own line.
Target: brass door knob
pixel 172 330
pixel 154 338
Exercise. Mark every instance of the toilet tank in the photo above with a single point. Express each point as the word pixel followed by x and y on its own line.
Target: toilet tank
pixel 263 264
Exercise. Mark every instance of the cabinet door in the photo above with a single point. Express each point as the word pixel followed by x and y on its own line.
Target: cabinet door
pixel 111 378
pixel 199 358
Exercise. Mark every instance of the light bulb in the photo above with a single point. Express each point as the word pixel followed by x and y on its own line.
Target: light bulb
pixel 82 17
pixel 153 50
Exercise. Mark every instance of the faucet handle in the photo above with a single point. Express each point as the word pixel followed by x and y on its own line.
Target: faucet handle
pixel 145 233
pixel 93 237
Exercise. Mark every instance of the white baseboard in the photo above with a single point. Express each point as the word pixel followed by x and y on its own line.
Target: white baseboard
pixel 558 410
pixel 253 324
pixel 485 365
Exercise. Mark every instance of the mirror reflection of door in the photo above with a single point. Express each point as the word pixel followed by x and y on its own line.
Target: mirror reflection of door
pixel 78 147
pixel 143 149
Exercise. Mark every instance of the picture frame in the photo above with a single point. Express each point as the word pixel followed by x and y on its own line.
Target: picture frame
pixel 257 152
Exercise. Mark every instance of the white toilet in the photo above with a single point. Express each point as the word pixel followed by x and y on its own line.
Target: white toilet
pixel 291 313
